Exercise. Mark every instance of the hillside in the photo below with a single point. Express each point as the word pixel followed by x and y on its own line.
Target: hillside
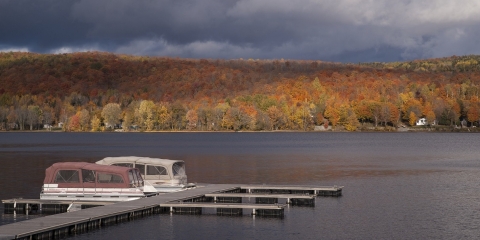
pixel 95 90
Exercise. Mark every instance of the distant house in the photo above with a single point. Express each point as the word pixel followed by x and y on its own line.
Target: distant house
pixel 423 122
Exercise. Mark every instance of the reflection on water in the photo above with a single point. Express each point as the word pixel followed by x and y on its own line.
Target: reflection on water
pixel 397 185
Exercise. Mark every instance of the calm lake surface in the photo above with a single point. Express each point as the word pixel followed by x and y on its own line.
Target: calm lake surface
pixel 397 185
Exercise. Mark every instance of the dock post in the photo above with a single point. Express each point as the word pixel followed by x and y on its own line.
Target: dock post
pixel 171 209
pixel 288 201
pixel 253 212
pixel 26 209
pixel 215 199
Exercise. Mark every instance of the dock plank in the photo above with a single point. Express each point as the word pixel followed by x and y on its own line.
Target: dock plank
pixel 261 195
pixel 41 201
pixel 225 205
pixel 292 187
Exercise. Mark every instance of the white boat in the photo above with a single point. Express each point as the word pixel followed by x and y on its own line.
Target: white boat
pixel 81 181
pixel 164 175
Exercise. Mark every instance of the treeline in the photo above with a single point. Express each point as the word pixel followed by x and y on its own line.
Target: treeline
pixel 97 91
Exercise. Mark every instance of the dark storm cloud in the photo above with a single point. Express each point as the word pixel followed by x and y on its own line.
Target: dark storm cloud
pixel 39 25
pixel 336 30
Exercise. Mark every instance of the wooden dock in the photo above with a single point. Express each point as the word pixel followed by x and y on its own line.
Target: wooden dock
pixel 315 190
pixel 261 196
pixel 185 202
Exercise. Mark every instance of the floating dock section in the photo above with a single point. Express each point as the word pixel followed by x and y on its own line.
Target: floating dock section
pixel 227 199
pixel 317 191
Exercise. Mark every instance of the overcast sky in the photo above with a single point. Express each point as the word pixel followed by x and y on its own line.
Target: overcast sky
pixel 328 30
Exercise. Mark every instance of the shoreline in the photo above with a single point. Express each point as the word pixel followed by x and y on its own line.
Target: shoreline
pixel 378 130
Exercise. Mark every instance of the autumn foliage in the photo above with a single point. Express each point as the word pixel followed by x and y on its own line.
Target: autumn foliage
pixel 95 90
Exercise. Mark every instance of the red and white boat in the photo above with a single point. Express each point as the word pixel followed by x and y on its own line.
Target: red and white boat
pixel 92 182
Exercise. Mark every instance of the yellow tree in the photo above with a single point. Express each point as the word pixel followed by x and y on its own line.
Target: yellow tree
pixel 95 123
pixel 412 118
pixel 111 113
pixel 297 117
pixel 146 114
pixel 350 120
pixel 219 113
pixel 164 116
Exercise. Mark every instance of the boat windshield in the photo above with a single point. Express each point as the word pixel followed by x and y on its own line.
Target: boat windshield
pixel 179 169
pixel 131 178
pixel 140 167
pixel 139 177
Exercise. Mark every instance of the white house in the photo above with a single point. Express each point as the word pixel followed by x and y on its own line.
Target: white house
pixel 423 122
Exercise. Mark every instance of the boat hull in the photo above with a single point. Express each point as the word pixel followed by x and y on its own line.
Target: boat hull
pixel 168 188
pixel 92 194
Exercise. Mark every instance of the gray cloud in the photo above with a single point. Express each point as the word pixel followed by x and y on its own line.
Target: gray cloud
pixel 330 30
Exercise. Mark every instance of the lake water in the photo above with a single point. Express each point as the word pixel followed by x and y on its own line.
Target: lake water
pixel 397 185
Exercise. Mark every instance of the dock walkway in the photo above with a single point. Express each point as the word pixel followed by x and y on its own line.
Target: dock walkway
pixel 71 222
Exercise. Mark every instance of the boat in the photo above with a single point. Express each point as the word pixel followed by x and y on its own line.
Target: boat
pixel 165 175
pixel 92 182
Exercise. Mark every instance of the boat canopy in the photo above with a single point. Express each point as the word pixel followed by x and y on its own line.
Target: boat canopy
pixel 144 160
pixel 79 174
pixel 177 166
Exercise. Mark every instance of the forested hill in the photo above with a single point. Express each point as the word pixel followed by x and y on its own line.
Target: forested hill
pixel 86 91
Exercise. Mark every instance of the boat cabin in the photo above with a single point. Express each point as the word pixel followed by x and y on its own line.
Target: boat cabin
pixel 87 181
